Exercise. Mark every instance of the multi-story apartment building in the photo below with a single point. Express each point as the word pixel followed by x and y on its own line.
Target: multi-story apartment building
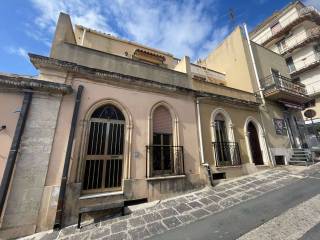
pixel 294 32
pixel 109 122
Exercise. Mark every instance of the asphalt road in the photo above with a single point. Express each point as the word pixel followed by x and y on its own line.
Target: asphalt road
pixel 240 219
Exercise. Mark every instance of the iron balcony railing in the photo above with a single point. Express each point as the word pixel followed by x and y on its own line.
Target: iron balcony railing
pixel 227 154
pixel 282 83
pixel 164 160
pixel 286 23
pixel 306 63
pixel 298 40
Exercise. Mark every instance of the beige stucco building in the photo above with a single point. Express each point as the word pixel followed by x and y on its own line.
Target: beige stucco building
pixel 109 122
pixel 248 66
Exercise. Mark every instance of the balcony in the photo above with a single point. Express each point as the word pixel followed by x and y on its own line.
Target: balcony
pixel 286 24
pixel 164 160
pixel 204 74
pixel 310 61
pixel 299 40
pixel 280 88
pixel 227 154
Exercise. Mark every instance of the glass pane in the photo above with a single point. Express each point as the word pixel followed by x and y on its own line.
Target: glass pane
pixel 167 139
pixel 157 138
pixel 108 112
pixel 167 156
pixel 156 157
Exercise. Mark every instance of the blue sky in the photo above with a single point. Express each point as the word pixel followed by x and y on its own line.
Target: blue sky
pixel 188 27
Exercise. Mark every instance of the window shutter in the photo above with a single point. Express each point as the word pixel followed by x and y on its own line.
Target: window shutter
pixel 162 121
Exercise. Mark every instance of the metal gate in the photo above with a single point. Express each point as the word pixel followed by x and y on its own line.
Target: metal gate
pixel 104 156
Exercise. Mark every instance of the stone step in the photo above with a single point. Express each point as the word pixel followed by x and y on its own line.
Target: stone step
pixel 299 163
pixel 300 154
pixel 300 157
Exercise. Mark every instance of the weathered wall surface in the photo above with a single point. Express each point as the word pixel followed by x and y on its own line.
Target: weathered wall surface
pixel 274 111
pixel 10 104
pixel 24 197
pixel 223 91
pixel 238 117
pixel 118 64
pixel 110 44
pixel 138 103
pixel 279 144
pixel 266 59
pixel 231 58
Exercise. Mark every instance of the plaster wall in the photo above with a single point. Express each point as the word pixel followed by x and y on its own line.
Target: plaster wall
pixel 138 103
pixel 117 64
pixel 266 59
pixel 304 57
pixel 113 45
pixel 271 111
pixel 238 117
pixel 231 57
pixel 24 197
pixel 10 104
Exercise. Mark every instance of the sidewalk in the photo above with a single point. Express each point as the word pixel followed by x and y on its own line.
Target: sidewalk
pixel 178 211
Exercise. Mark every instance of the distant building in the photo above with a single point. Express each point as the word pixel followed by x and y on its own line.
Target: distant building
pixel 294 32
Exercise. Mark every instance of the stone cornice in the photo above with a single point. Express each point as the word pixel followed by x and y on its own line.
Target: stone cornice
pixel 22 82
pixel 98 74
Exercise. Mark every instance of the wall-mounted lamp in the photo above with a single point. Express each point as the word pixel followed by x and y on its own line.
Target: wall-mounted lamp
pixel 3 127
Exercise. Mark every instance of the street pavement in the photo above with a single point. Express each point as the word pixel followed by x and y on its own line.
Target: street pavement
pixel 273 204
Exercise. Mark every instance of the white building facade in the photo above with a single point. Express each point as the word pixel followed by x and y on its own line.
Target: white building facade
pixel 294 32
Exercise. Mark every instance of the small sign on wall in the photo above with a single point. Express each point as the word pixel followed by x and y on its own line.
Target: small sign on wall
pixel 280 126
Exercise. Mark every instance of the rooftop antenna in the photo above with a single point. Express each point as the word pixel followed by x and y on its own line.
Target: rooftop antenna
pixel 232 17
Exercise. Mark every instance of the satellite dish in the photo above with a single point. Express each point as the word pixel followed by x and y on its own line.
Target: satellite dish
pixel 310 113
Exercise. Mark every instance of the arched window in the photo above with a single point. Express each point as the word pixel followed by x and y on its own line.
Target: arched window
pixel 162 157
pixel 103 168
pixel 220 128
pixel 225 149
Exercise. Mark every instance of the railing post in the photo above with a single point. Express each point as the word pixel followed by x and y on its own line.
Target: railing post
pixel 182 158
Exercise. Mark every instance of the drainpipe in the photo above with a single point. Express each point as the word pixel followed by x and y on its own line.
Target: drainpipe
pixel 199 131
pixel 83 36
pixel 63 185
pixel 260 91
pixel 7 175
pixel 254 65
pixel 206 165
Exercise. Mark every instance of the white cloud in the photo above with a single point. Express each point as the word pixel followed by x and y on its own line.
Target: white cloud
pixel 315 3
pixel 179 27
pixel 83 12
pixel 18 51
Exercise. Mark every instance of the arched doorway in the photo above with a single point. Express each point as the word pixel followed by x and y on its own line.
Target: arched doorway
pixel 104 154
pixel 254 142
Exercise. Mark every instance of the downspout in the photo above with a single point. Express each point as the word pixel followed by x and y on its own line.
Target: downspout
pixel 206 165
pixel 7 175
pixel 199 131
pixel 83 36
pixel 260 91
pixel 254 65
pixel 63 185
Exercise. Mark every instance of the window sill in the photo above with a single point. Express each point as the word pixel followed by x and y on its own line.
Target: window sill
pixel 165 177
pixel 238 166
pixel 97 195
